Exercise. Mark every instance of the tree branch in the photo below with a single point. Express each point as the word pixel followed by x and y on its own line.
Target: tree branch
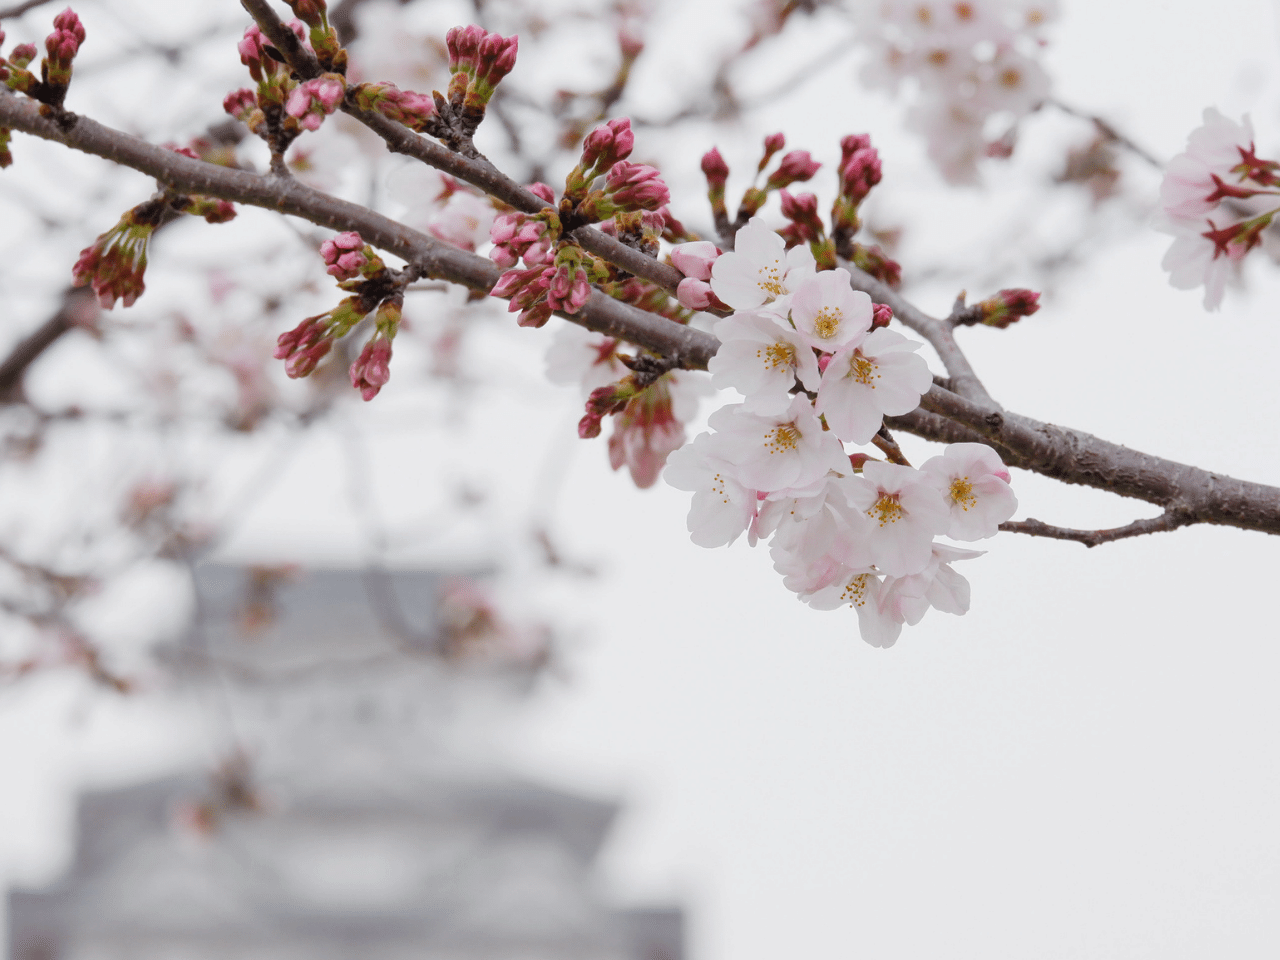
pixel 436 259
pixel 1071 456
pixel 1092 538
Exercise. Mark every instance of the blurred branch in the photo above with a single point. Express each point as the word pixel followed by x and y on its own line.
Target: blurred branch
pixel 1109 132
pixel 18 9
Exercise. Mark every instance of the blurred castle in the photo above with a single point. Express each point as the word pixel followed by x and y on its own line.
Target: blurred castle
pixel 351 822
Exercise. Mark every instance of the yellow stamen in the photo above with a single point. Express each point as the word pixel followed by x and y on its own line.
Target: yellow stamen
pixel 782 438
pixel 962 493
pixel 827 323
pixel 780 354
pixel 887 509
pixel 863 370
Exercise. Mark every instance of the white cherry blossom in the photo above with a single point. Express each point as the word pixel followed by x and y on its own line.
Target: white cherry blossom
pixel 909 598
pixel 974 484
pixel 762 358
pixel 778 450
pixel 722 509
pixel 906 512
pixel 830 314
pixel 760 271
pixel 1212 149
pixel 863 590
pixel 865 382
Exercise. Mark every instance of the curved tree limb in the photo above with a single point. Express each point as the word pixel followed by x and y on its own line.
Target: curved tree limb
pixel 1071 456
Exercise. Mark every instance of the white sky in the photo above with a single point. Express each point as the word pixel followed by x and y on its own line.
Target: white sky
pixel 1083 766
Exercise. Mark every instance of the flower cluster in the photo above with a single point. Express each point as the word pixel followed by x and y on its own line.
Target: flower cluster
pixel 115 263
pixel 61 47
pixel 972 63
pixel 628 199
pixel 281 108
pixel 478 60
pixel 843 528
pixel 324 38
pixel 360 271
pixel 1217 197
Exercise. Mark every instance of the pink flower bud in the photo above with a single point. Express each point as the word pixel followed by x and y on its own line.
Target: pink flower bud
pixel 795 166
pixel 881 314
pixel 344 255
pixel 695 259
pixel 715 169
pixel 240 104
pixel 824 360
pixel 606 145
pixel 372 369
pixel 635 186
pixel 694 294
pixel 542 191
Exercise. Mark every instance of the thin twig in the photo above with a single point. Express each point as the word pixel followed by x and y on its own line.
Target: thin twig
pixel 1092 538
pixel 1109 132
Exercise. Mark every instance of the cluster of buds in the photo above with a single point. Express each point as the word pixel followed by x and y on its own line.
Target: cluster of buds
pixel 695 261
pixel 61 47
pixel 646 432
pixel 310 341
pixel 6 157
pixel 277 112
pixel 13 68
pixel 361 272
pixel 312 101
pixel 795 167
pixel 626 187
pixel 415 110
pixel 542 289
pixel 372 369
pixel 324 39
pixel 115 263
pixel 859 172
pixel 602 148
pixel 346 256
pixel 521 235
pixel 478 60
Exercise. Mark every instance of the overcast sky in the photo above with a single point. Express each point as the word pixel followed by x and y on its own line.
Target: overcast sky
pixel 1083 766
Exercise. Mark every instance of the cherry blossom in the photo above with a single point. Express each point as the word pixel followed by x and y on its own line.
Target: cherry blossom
pixel 1193 180
pixel 907 599
pixel 865 382
pixel 760 271
pixel 722 508
pixel 975 486
pixel 778 450
pixel 863 590
pixel 762 359
pixel 828 313
pixel 906 511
